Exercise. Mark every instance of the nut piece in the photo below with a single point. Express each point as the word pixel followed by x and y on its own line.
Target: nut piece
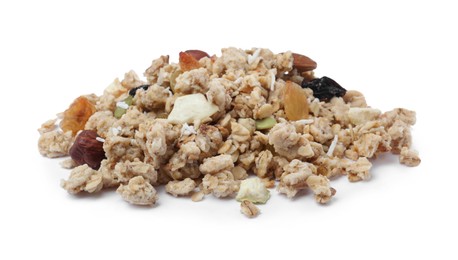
pixel 191 107
pixel 88 149
pixel 303 63
pixel 197 54
pixel 249 209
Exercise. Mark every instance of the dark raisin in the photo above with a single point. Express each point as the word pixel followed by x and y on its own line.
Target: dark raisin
pixel 324 88
pixel 134 90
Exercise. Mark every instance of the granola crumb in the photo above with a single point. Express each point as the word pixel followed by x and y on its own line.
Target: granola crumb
pixel 68 163
pixel 83 178
pixel 197 196
pixel 409 157
pixel 138 191
pixel 55 143
pixel 249 209
pixel 180 188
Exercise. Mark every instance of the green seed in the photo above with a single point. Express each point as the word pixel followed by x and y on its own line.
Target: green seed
pixel 119 111
pixel 265 123
pixel 129 100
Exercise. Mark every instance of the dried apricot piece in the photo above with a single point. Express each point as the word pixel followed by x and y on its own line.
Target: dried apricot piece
pixel 76 116
pixel 188 62
pixel 295 102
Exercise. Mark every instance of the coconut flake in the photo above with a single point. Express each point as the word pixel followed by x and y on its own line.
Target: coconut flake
pixel 305 121
pixel 272 79
pixel 116 130
pixel 100 139
pixel 238 80
pixel 187 129
pixel 252 58
pixel 332 146
pixel 170 92
pixel 122 104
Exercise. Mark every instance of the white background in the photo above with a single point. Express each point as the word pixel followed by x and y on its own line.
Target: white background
pixel 398 53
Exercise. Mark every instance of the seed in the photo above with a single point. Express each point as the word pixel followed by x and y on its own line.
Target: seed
pixel 120 111
pixel 265 123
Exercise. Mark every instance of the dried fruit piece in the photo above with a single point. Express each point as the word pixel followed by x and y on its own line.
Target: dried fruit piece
pixel 133 91
pixel 295 102
pixel 76 116
pixel 303 63
pixel 324 88
pixel 197 54
pixel 121 107
pixel 265 123
pixel 88 149
pixel 188 62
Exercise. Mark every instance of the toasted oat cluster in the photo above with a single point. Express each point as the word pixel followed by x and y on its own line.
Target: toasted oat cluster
pixel 203 125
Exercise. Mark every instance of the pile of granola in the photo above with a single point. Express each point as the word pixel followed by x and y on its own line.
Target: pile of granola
pixel 209 125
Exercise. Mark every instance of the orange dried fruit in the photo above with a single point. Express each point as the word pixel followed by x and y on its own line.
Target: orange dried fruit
pixel 188 62
pixel 76 116
pixel 295 102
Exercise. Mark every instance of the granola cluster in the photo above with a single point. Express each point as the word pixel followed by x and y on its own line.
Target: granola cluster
pixel 203 125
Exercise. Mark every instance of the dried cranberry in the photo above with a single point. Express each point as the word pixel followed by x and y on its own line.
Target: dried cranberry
pixel 134 90
pixel 324 88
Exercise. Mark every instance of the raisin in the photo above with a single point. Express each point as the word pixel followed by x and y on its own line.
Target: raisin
pixel 324 88
pixel 134 90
